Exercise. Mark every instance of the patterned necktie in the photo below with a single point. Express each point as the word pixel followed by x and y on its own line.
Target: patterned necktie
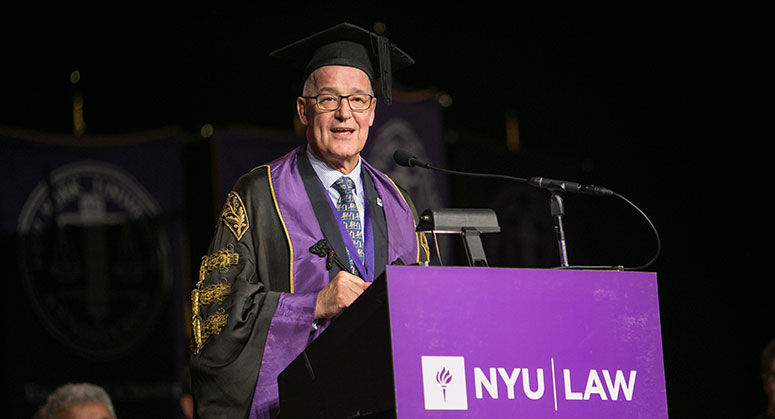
pixel 350 216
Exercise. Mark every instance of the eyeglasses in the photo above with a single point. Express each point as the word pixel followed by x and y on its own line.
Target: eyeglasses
pixel 329 102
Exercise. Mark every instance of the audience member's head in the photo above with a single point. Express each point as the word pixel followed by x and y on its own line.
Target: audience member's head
pixel 77 401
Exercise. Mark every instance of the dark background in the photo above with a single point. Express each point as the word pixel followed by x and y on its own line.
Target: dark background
pixel 667 104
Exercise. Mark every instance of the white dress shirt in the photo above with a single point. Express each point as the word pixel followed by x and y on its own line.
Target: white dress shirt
pixel 328 176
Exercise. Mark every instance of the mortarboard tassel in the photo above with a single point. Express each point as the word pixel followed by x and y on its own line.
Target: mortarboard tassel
pixel 383 50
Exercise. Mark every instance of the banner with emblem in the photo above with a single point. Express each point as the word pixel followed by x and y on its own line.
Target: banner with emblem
pixel 92 226
pixel 413 122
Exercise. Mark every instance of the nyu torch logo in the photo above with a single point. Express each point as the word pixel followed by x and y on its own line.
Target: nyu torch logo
pixel 444 383
pixel 443 377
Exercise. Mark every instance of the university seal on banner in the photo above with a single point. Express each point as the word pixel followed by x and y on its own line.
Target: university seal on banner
pixel 398 134
pixel 94 258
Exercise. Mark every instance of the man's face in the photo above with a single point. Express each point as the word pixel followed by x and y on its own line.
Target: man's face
pixel 336 136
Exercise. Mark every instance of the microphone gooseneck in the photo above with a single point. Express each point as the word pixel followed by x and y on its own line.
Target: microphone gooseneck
pixel 407 159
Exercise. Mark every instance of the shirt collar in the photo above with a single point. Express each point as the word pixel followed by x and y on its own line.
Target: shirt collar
pixel 329 175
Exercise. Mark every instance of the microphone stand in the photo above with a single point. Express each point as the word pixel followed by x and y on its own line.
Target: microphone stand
pixel 557 207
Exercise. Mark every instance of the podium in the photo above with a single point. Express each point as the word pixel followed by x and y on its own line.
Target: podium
pixel 468 342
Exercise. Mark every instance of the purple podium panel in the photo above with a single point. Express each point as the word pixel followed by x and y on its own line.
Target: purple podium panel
pixel 509 343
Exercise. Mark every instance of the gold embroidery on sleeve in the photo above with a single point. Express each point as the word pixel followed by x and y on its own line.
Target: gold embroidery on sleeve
pixel 214 293
pixel 221 260
pixel 212 326
pixel 234 215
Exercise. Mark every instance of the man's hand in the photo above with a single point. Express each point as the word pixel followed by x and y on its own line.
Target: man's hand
pixel 339 294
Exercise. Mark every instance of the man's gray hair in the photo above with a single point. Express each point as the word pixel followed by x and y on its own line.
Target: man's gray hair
pixel 74 394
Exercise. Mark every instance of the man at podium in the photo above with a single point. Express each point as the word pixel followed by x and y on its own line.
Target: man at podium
pixel 301 237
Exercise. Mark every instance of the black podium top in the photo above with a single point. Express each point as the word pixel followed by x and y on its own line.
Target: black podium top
pixel 348 370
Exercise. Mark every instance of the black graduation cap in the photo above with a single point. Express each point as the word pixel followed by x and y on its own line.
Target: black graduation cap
pixel 347 45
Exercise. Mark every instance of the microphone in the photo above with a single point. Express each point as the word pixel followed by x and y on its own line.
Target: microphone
pixel 553 184
pixel 407 159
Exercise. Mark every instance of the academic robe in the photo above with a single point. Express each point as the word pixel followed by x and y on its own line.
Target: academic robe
pixel 254 304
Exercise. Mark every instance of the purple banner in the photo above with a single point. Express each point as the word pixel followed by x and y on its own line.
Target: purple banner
pixel 505 343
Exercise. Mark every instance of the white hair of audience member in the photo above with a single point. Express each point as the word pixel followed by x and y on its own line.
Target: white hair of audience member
pixel 73 394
